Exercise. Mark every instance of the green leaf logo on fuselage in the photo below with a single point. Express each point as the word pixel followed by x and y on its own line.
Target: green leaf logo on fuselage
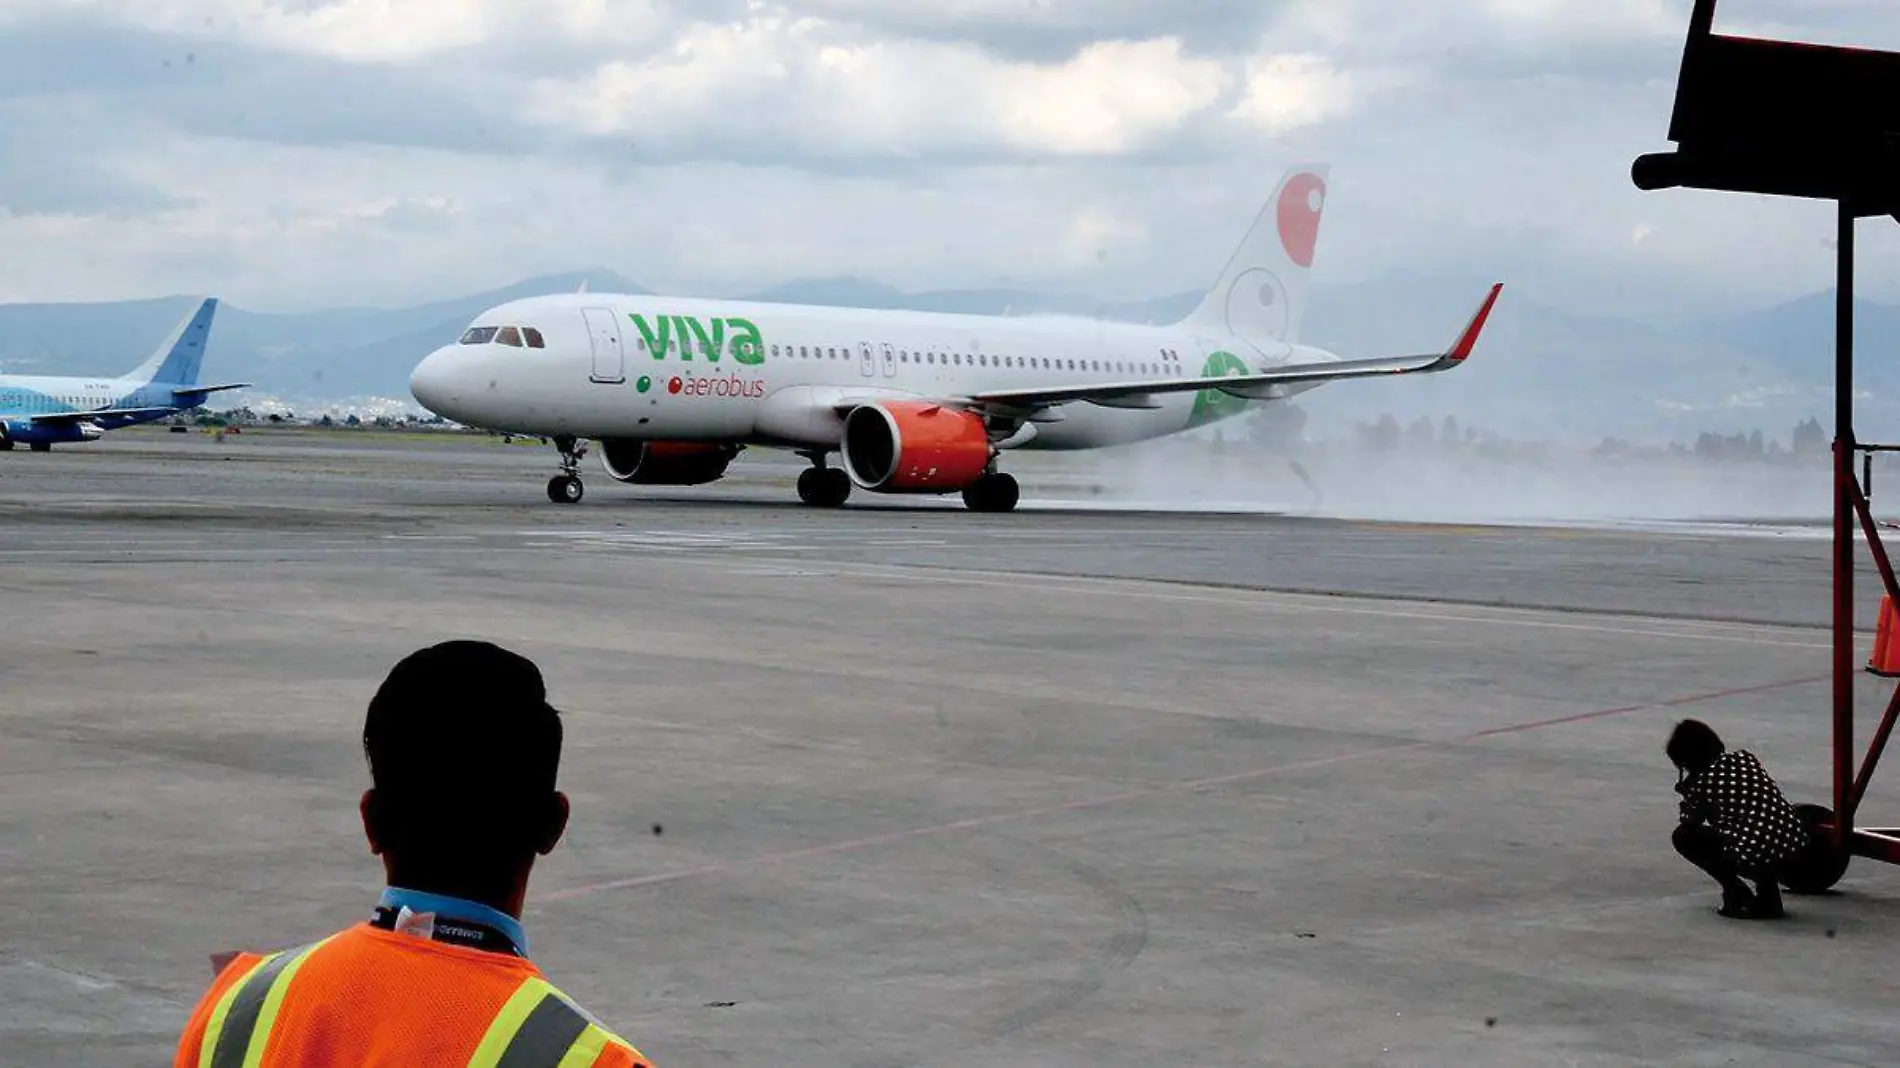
pixel 688 335
pixel 1212 405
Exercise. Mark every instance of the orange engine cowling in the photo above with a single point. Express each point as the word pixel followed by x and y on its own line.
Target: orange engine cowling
pixel 914 447
pixel 666 463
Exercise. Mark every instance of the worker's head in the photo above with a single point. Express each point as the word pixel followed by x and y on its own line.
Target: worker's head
pixel 1693 746
pixel 463 749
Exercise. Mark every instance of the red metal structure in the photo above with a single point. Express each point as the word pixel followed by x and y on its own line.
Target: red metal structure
pixel 1798 120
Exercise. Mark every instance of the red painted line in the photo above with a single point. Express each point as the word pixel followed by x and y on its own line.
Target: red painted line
pixel 978 822
pixel 1679 702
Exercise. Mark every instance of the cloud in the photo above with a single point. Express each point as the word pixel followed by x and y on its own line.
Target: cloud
pixel 317 151
pixel 736 85
pixel 1285 92
pixel 1048 31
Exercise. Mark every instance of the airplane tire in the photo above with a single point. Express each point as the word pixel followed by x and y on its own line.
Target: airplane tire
pixel 5 445
pixel 42 446
pixel 1818 867
pixel 824 487
pixel 992 493
pixel 565 489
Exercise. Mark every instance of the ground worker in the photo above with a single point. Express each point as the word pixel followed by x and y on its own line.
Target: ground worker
pixel 463 749
pixel 1735 821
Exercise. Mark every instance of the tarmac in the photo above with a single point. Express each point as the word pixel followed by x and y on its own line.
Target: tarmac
pixel 903 785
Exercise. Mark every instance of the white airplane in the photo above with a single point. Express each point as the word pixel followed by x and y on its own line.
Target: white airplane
pixel 914 403
pixel 41 411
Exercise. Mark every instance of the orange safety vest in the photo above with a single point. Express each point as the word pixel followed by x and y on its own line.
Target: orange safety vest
pixel 371 998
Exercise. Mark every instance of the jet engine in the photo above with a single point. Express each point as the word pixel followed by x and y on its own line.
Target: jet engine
pixel 42 435
pixel 915 447
pixel 666 463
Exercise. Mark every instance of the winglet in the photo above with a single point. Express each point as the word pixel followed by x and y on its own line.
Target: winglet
pixel 1469 339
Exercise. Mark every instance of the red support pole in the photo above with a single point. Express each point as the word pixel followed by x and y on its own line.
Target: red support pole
pixel 1873 753
pixel 1865 509
pixel 1844 515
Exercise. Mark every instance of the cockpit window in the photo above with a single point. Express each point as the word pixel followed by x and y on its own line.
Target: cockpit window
pixel 535 340
pixel 509 336
pixel 479 335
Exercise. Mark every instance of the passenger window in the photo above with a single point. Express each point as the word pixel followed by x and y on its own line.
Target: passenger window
pixel 534 338
pixel 478 335
pixel 509 336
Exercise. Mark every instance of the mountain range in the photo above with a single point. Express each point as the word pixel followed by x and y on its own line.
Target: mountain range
pixel 1541 371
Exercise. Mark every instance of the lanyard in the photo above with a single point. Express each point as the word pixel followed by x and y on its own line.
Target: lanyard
pixel 454 932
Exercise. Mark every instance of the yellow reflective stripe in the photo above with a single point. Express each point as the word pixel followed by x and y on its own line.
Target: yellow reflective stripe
pixel 274 1000
pixel 208 1045
pixel 586 1049
pixel 508 1021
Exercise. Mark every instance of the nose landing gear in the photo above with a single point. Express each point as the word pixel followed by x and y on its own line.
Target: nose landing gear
pixel 566 488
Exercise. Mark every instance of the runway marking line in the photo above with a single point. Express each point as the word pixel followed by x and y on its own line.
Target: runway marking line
pixel 1190 786
pixel 1282 600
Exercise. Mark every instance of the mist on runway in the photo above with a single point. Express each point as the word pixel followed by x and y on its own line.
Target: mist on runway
pixel 1461 482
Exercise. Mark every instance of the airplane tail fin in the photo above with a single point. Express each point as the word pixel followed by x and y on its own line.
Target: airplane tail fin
pixel 178 357
pixel 1261 296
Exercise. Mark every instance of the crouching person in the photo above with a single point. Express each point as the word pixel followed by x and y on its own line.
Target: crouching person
pixel 1735 821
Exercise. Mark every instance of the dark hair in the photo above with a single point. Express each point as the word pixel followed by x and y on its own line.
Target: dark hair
pixel 463 749
pixel 1693 745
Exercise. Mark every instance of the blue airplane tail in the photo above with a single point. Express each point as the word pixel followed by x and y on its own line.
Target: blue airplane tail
pixel 178 357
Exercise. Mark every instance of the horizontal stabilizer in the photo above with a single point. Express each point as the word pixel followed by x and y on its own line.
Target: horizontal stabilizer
pixel 187 391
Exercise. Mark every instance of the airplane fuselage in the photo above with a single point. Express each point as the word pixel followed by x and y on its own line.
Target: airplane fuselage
pixel 619 366
pixel 43 411
pixel 23 397
pixel 913 402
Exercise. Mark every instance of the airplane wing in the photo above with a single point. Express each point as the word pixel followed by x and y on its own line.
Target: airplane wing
pixel 182 390
pixel 1256 386
pixel 58 418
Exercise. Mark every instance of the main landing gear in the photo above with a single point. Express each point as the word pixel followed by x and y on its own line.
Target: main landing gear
pixel 994 492
pixel 821 486
pixel 566 488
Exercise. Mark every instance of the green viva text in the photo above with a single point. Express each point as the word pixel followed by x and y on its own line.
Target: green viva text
pixel 709 338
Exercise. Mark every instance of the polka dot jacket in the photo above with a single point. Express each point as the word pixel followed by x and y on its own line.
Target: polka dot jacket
pixel 1736 796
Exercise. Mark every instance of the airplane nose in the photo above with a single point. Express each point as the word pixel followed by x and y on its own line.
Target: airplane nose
pixel 431 382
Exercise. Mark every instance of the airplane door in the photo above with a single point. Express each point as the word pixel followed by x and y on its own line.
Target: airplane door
pixel 867 361
pixel 610 359
pixel 890 361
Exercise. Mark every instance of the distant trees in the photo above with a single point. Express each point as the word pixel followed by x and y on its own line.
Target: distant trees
pixel 1810 438
pixel 1422 435
pixel 1382 436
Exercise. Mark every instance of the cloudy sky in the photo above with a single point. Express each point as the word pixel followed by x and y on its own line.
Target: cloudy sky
pixel 306 153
